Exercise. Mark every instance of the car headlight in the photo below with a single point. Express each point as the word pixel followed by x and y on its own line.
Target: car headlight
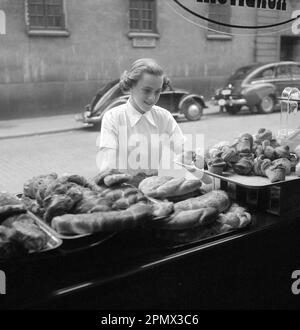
pixel 87 113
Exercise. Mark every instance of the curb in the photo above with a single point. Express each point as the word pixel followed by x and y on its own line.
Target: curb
pixel 15 136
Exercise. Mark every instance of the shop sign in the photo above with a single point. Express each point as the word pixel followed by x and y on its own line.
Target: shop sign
pixel 2 22
pixel 263 4
pixel 195 7
pixel 2 282
pixel 296 23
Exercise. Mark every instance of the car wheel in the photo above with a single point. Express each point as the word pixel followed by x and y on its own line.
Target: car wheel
pixel 232 109
pixel 267 104
pixel 192 110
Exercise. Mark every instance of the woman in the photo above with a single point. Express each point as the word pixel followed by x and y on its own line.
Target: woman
pixel 134 136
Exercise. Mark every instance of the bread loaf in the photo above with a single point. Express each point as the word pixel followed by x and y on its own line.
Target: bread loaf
pixel 217 199
pixel 149 185
pixel 191 218
pixel 115 179
pixel 236 217
pixel 8 210
pixel 173 185
pixel 162 208
pixel 166 186
pixel 102 221
pixel 99 178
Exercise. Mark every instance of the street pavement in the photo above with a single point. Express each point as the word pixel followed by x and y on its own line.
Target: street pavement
pixel 37 126
pixel 29 147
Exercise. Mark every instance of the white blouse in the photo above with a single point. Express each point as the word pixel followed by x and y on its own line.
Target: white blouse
pixel 135 142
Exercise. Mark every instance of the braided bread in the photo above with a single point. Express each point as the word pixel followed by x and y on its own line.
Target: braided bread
pixel 216 198
pixel 166 186
pixel 191 218
pixel 110 221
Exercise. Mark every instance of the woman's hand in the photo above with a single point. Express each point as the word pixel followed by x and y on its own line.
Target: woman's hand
pixel 186 157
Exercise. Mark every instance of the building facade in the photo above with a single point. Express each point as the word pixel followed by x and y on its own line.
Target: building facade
pixel 56 54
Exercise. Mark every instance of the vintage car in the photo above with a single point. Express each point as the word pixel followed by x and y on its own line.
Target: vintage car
pixel 258 86
pixel 176 101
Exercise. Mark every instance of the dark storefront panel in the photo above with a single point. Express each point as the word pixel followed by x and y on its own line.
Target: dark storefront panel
pixel 132 271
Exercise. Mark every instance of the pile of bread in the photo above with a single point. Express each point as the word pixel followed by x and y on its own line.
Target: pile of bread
pixel 73 205
pixel 260 154
pixel 197 217
pixel 19 233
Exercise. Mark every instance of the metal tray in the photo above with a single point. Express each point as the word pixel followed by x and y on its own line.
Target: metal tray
pixel 72 237
pixel 58 235
pixel 206 237
pixel 86 242
pixel 82 239
pixel 251 181
pixel 54 240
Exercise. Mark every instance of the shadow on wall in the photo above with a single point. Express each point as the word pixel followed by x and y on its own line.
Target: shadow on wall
pixel 58 98
pixel 45 99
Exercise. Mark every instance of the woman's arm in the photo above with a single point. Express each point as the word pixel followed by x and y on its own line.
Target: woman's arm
pixel 108 144
pixel 106 159
pixel 177 138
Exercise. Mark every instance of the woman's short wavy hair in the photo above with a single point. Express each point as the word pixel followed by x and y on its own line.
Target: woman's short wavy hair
pixel 140 66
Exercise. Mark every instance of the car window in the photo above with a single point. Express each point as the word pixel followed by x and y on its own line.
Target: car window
pixel 284 71
pixel 264 74
pixel 102 92
pixel 109 96
pixel 241 73
pixel 295 69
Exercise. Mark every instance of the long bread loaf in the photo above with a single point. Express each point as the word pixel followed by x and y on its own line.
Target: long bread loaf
pixel 166 186
pixel 216 198
pixel 191 218
pixel 102 221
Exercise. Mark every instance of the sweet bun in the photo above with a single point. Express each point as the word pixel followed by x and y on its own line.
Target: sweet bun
pixel 297 169
pixel 263 134
pixel 275 172
pixel 216 165
pixel 243 166
pixel 264 165
pixel 269 152
pixel 230 155
pixel 257 165
pixel 245 143
pixel 282 152
pixel 285 163
pixel 297 150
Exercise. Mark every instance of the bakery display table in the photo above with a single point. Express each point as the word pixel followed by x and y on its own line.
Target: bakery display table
pixel 133 270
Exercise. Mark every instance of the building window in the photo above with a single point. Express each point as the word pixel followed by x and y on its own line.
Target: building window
pixel 142 16
pixel 142 23
pixel 45 15
pixel 222 14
